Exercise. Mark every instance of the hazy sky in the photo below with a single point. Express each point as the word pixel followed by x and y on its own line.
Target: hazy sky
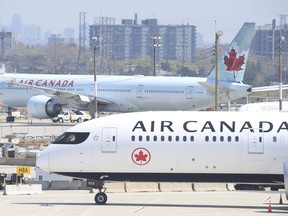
pixel 54 15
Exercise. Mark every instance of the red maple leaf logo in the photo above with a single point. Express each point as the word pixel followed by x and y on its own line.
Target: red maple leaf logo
pixel 232 62
pixel 141 156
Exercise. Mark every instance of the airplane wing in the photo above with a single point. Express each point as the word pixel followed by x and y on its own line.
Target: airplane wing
pixel 269 91
pixel 69 97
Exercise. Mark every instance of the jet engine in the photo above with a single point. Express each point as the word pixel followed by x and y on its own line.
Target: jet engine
pixel 42 107
pixel 286 178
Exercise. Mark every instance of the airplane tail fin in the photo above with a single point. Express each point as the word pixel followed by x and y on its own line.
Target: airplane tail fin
pixel 2 69
pixel 232 65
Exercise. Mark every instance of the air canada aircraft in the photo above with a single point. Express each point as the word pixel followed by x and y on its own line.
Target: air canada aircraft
pixel 45 95
pixel 173 146
pixel 264 106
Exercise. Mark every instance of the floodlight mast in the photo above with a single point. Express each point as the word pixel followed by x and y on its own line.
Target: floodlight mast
pixel 217 78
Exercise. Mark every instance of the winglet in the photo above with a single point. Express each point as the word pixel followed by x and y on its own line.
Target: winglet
pixel 232 64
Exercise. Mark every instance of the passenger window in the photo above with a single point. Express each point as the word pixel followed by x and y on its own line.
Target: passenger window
pixel 162 138
pixel 229 138
pixel 184 138
pixel 192 138
pixel 71 138
pixel 140 138
pixel 214 139
pixel 177 138
pixel 274 139
pixel 207 138
pixel 148 138
pixel 221 138
pixel 133 138
pixel 169 138
pixel 237 139
pixel 155 138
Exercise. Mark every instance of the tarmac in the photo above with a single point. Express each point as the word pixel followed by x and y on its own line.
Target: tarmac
pixel 81 202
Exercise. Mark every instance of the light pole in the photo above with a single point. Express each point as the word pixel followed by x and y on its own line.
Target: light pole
pixel 280 72
pixel 155 45
pixel 94 39
pixel 217 78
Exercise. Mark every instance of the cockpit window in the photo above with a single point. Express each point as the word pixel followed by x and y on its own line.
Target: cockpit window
pixel 71 138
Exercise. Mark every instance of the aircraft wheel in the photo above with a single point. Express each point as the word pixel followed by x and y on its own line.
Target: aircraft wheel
pixel 100 198
pixel 10 119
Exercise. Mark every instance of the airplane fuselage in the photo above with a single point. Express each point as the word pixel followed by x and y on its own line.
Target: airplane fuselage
pixel 174 146
pixel 124 93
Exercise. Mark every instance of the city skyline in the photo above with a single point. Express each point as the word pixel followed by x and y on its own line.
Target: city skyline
pixel 54 15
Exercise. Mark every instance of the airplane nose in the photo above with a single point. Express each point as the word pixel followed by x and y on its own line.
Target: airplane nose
pixel 43 161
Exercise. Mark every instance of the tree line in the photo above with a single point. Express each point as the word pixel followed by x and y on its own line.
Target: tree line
pixel 65 59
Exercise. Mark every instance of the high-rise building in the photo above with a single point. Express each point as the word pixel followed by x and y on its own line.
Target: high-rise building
pixel 16 26
pixel 31 34
pixel 130 40
pixel 266 40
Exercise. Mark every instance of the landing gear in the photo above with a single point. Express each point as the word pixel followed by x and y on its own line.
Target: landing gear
pixel 100 197
pixel 10 118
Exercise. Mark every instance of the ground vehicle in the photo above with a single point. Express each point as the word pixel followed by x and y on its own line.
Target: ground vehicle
pixel 72 116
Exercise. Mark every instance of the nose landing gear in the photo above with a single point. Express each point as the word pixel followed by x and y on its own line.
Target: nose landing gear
pixel 100 197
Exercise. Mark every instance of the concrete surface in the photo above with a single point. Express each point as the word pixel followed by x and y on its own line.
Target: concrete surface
pixel 150 203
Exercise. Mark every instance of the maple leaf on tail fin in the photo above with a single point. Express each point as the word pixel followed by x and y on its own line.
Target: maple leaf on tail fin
pixel 232 62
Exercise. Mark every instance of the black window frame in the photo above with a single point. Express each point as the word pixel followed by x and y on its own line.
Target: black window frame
pixel 80 137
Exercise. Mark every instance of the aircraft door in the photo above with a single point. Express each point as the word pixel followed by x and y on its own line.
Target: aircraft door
pixel 256 142
pixel 109 139
pixel 189 92
pixel 139 91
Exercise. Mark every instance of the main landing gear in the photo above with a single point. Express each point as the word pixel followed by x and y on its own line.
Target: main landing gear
pixel 101 197
pixel 10 118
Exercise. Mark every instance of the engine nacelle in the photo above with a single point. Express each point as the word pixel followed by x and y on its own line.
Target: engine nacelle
pixel 42 107
pixel 286 178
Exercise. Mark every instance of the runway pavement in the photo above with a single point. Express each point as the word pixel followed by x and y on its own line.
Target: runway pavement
pixel 166 203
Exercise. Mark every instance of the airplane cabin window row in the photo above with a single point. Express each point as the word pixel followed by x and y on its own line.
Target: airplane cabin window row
pixel 222 138
pixel 164 91
pixel 115 90
pixel 162 138
pixel 183 138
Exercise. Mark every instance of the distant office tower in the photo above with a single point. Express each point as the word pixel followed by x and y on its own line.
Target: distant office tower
pixel 16 26
pixel 130 40
pixel 5 43
pixel 266 40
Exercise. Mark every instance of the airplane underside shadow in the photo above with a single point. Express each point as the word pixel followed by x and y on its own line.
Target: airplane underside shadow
pixel 259 209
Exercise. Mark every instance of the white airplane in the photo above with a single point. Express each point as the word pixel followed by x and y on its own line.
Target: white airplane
pixel 264 106
pixel 173 146
pixel 45 95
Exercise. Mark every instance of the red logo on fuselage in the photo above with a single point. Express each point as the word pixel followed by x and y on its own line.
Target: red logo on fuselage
pixel 141 156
